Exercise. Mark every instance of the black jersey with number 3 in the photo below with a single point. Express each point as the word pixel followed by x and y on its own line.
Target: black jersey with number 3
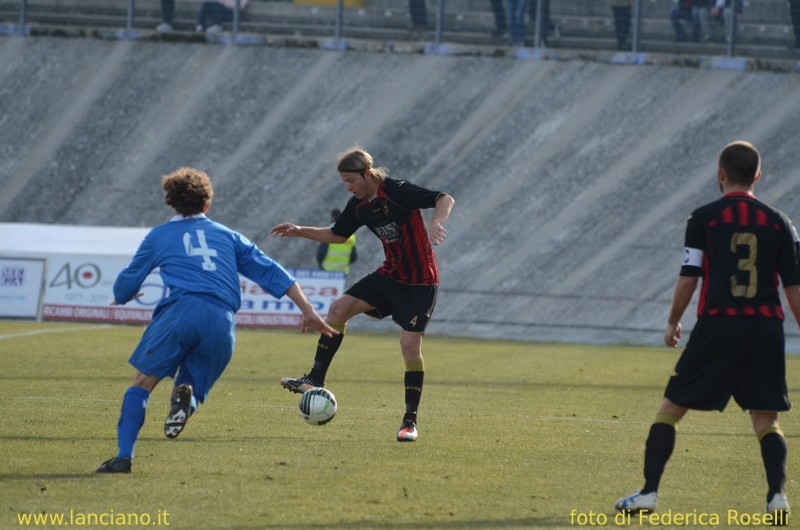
pixel 745 246
pixel 394 215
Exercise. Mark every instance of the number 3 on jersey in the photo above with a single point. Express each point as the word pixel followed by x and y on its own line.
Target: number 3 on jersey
pixel 201 250
pixel 746 264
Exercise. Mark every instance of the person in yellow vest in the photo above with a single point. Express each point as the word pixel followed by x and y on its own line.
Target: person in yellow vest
pixel 337 256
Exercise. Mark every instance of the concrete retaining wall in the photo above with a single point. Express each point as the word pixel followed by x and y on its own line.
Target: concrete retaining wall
pixel 572 179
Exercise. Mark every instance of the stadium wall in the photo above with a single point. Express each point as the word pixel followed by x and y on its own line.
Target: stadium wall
pixel 572 179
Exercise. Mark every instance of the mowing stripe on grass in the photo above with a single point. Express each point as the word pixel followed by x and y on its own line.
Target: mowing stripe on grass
pixel 535 417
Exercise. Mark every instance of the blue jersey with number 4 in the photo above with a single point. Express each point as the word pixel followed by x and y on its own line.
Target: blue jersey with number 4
pixel 198 256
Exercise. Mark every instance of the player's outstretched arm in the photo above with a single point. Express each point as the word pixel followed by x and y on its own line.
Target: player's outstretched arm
pixel 285 230
pixel 323 235
pixel 436 230
pixel 311 320
pixel 684 289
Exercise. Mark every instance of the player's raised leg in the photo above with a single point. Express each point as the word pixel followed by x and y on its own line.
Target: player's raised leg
pixel 341 310
pixel 182 406
pixel 211 352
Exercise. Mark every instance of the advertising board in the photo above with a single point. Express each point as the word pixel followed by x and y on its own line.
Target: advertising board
pixel 81 289
pixel 20 286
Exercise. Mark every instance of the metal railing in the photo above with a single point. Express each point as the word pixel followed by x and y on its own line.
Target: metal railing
pixel 441 32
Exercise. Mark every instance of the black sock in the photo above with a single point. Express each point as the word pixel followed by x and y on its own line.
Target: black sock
pixel 658 449
pixel 773 452
pixel 413 383
pixel 326 349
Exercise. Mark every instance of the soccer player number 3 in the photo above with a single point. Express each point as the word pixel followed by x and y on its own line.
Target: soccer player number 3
pixel 746 264
pixel 201 250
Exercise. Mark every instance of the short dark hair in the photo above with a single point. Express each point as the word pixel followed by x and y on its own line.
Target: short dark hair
pixel 187 190
pixel 741 162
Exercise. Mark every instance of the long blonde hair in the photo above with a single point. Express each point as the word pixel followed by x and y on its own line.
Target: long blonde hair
pixel 357 160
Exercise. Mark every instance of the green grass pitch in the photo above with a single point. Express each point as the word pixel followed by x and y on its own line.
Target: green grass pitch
pixel 512 435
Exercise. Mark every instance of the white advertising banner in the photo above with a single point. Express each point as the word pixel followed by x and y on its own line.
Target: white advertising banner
pixel 20 287
pixel 260 309
pixel 81 289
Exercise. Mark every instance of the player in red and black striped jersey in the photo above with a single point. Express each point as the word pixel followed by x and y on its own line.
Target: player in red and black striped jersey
pixel 404 286
pixel 749 246
pixel 741 248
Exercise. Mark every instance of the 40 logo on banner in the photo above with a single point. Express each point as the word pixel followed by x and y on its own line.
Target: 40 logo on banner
pixel 83 290
pixel 93 283
pixel 85 275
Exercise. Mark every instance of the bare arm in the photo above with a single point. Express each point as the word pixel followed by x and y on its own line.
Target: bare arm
pixel 310 317
pixel 444 205
pixel 793 297
pixel 323 235
pixel 684 289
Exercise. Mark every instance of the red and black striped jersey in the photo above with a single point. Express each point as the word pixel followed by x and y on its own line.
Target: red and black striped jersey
pixel 741 247
pixel 394 215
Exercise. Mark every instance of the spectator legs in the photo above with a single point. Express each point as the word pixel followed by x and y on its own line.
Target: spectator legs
pixel 419 14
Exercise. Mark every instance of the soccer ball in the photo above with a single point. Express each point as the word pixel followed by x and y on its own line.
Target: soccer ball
pixel 317 406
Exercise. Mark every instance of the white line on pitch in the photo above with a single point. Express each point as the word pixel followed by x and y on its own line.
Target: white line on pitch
pixel 57 330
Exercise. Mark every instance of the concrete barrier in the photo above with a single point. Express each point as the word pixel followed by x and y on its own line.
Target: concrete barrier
pixel 572 177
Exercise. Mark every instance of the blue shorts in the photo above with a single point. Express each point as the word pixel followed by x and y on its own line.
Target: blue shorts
pixel 190 337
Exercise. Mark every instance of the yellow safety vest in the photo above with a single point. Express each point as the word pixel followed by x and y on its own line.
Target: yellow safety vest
pixel 338 256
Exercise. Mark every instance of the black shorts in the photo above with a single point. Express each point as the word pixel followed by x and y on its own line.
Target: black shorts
pixel 411 306
pixel 743 357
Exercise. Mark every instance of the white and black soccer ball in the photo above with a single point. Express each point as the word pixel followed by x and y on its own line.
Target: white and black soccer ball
pixel 317 406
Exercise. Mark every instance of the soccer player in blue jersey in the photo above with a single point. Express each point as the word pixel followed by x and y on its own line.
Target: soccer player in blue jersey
pixel 740 247
pixel 192 331
pixel 404 287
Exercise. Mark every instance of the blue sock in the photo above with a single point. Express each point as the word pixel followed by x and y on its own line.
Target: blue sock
pixel 131 419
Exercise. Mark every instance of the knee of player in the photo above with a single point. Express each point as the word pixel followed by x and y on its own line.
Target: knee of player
pixel 337 312
pixel 411 345
pixel 344 308
pixel 765 423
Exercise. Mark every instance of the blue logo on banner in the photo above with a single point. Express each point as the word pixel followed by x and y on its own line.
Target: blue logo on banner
pixel 12 277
